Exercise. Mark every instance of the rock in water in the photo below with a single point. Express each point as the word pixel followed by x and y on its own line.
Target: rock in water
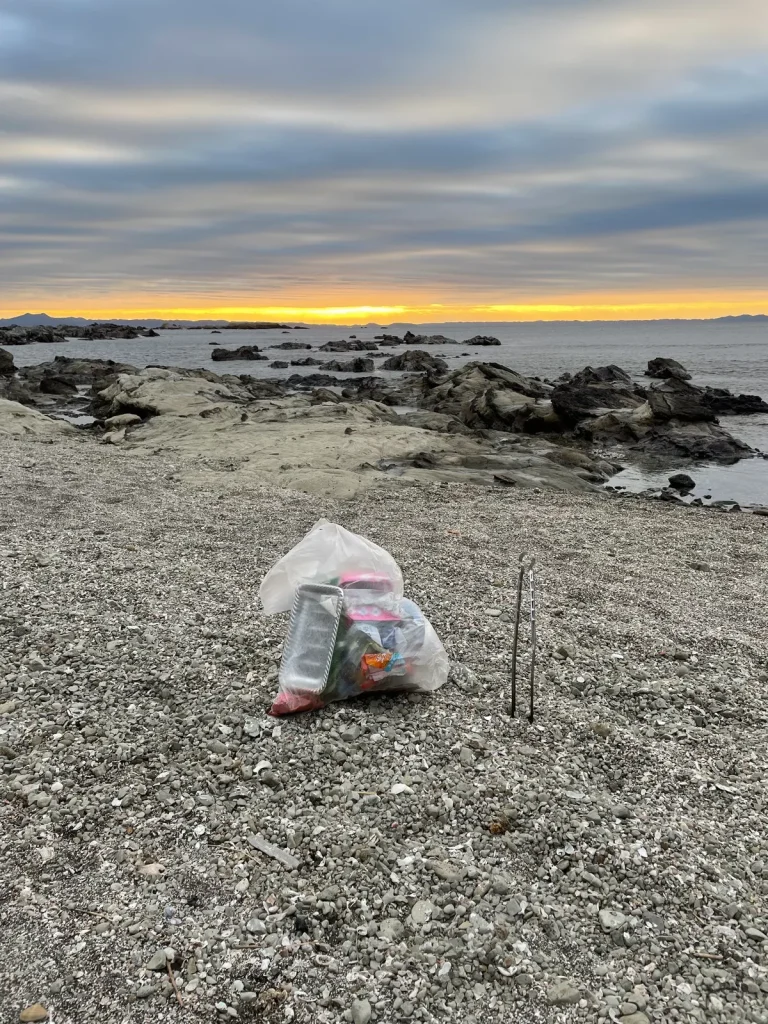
pixel 7 367
pixel 359 365
pixel 662 368
pixel 415 360
pixel 482 339
pixel 218 355
pixel 682 482
pixel 722 402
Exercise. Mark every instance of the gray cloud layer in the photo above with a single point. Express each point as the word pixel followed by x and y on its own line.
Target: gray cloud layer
pixel 459 148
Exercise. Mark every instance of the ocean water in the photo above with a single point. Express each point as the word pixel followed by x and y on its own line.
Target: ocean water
pixel 731 355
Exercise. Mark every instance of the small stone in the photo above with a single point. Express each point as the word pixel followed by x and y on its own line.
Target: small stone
pixel 145 991
pixel 467 757
pixel 361 1011
pixel 421 912
pixel 391 929
pixel 756 934
pixel 611 920
pixel 256 926
pixel 35 1012
pixel 151 870
pixel 399 788
pixel 602 729
pixel 563 993
pixel 635 1018
pixel 158 961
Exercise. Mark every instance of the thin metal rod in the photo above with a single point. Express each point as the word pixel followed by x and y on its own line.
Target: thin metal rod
pixel 521 575
pixel 532 591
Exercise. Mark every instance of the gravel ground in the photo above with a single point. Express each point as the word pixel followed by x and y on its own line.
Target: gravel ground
pixel 608 862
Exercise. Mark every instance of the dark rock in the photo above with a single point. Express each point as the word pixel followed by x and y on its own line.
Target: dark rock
pixel 675 399
pixel 482 339
pixel 307 361
pixel 592 393
pixel 693 441
pixel 414 360
pixel 7 367
pixel 428 339
pixel 349 346
pixel 682 482
pixel 723 403
pixel 278 364
pixel 611 374
pixel 359 365
pixel 255 325
pixel 77 371
pixel 57 386
pixel 663 368
pixel 244 352
pixel 290 345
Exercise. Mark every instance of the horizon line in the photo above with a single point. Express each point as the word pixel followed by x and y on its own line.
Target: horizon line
pixel 346 313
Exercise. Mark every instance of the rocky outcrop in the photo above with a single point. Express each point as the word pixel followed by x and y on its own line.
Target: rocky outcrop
pixel 482 340
pixel 7 366
pixel 48 334
pixel 701 441
pixel 723 403
pixel 359 365
pixel 53 385
pixel 415 361
pixel 291 345
pixel 307 361
pixel 20 421
pixel 676 399
pixel 278 364
pixel 662 368
pixel 354 345
pixel 76 371
pixel 409 338
pixel 593 393
pixel 220 355
pixel 454 393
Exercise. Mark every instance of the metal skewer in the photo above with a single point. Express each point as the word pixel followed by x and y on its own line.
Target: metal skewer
pixel 527 564
pixel 532 593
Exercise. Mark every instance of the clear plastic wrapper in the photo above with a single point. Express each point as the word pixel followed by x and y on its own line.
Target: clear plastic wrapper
pixel 381 640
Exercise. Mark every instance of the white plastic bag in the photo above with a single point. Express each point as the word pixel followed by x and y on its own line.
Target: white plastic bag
pixel 383 641
pixel 325 554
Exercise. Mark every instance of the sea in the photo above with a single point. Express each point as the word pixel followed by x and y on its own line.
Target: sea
pixel 733 355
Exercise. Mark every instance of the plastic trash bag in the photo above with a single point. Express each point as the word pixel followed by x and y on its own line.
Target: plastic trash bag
pixel 380 640
pixel 326 553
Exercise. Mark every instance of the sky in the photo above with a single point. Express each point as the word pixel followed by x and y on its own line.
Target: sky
pixel 361 160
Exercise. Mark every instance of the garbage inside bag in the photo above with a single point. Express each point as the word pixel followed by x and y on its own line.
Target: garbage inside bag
pixel 351 629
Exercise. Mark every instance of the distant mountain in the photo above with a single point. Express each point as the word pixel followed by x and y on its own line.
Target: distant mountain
pixel 744 318
pixel 44 320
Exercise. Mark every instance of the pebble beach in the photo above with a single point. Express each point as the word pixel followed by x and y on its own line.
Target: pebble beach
pixel 170 852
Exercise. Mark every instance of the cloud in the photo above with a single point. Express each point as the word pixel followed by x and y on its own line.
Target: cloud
pixel 480 145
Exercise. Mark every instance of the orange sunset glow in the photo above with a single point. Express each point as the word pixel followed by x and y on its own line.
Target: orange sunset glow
pixel 587 308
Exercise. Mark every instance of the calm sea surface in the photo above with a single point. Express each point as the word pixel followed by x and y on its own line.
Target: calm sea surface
pixel 734 356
